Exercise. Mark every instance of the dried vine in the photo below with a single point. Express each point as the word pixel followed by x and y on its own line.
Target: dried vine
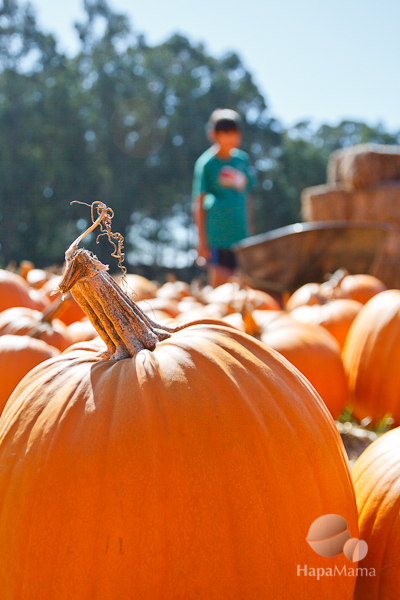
pixel 104 221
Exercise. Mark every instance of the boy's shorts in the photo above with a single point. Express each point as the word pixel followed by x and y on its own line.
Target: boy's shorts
pixel 223 257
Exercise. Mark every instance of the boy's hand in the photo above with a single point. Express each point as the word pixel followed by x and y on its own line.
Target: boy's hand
pixel 203 254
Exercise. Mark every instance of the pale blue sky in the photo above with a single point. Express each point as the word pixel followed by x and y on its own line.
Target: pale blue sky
pixel 313 59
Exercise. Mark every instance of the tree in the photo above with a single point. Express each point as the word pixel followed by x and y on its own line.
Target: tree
pixel 124 122
pixel 146 113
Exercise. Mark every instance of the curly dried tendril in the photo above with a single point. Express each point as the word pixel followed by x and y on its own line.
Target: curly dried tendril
pixel 104 221
pixel 116 239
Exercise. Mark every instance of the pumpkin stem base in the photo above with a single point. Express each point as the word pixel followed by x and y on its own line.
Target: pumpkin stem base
pixel 122 325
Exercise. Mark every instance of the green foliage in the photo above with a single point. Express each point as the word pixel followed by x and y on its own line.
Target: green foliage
pixel 124 122
pixel 379 428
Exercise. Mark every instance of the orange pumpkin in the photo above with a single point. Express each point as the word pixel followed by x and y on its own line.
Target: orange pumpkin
pixel 174 290
pixel 165 305
pixel 14 291
pixel 189 304
pixel 340 285
pixel 25 267
pixel 189 463
pixel 222 294
pixel 138 287
pixel 159 315
pixel 37 278
pixel 210 311
pixel 244 322
pixel 234 296
pixel 81 331
pixel 18 355
pixel 25 321
pixel 376 476
pixel 39 299
pixel 259 300
pixel 336 316
pixel 362 287
pixel 307 294
pixel 311 349
pixel 371 355
pixel 236 320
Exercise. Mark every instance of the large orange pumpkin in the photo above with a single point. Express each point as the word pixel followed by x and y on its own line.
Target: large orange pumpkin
pixel 377 483
pixel 336 316
pixel 18 355
pixel 188 464
pixel 371 357
pixel 310 348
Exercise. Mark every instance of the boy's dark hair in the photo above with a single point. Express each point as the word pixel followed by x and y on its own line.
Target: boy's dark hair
pixel 224 119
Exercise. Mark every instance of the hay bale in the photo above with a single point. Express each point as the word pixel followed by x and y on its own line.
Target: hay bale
pixel 379 203
pixel 326 203
pixel 364 165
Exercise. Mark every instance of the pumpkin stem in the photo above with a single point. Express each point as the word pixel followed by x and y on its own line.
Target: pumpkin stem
pixel 122 325
pixel 336 279
pixel 320 298
pixel 48 315
pixel 330 289
pixel 54 309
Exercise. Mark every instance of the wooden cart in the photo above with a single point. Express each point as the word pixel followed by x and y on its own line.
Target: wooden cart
pixel 285 259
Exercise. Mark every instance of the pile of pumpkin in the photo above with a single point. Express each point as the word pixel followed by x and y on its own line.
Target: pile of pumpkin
pixel 197 470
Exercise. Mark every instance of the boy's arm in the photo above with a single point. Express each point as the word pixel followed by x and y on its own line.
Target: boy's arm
pixel 199 217
pixel 250 214
pixel 252 183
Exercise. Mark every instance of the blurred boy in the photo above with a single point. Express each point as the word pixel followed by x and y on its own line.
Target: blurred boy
pixel 222 209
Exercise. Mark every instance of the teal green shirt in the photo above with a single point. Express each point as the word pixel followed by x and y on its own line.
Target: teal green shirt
pixel 226 185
